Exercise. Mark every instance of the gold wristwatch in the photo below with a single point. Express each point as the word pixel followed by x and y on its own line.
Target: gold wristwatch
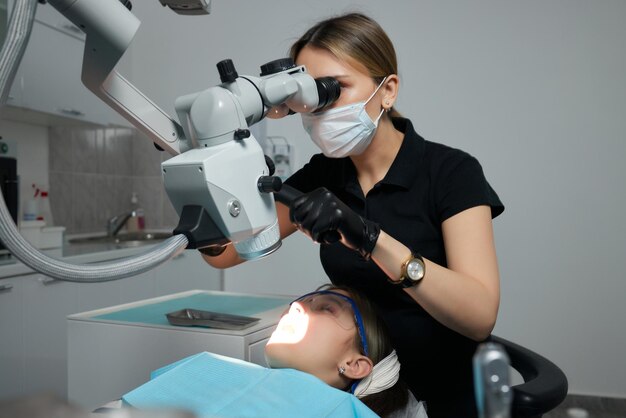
pixel 412 271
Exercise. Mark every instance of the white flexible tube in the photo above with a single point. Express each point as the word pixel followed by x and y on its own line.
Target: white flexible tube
pixel 103 272
pixel 12 51
pixel 18 32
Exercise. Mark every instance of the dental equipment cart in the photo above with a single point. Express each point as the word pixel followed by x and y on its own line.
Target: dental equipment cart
pixel 113 350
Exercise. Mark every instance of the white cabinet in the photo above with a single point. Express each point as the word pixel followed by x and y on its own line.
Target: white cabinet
pixel 187 271
pixel 113 350
pixel 95 295
pixel 135 288
pixel 46 304
pixel 11 339
pixel 34 307
pixel 49 77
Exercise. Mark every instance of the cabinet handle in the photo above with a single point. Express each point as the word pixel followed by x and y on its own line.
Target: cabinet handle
pixel 6 287
pixel 48 280
pixel 71 112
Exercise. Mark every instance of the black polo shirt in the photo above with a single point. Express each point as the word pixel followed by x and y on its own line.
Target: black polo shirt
pixel 426 184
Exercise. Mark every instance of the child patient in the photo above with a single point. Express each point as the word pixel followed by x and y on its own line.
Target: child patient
pixel 331 336
pixel 335 335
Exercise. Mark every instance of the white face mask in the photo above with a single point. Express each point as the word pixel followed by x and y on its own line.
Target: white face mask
pixel 343 131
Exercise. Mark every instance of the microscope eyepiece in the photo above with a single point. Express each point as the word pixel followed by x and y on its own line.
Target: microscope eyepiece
pixel 328 91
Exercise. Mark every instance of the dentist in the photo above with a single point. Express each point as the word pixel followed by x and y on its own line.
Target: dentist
pixel 414 217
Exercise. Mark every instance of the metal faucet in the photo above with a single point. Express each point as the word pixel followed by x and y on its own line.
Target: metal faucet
pixel 115 223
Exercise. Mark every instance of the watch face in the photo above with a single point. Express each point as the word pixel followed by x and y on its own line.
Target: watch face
pixel 415 270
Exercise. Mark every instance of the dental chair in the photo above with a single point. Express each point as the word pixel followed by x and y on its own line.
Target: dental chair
pixel 544 387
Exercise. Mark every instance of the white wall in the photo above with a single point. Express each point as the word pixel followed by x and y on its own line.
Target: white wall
pixel 535 90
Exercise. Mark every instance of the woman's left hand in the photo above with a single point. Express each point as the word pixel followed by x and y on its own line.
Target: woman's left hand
pixel 320 213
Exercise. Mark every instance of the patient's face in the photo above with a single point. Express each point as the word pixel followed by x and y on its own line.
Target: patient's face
pixel 313 335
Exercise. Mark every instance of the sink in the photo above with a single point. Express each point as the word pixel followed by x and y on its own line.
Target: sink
pixel 125 239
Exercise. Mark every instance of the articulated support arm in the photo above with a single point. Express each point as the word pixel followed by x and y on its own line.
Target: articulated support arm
pixel 110 28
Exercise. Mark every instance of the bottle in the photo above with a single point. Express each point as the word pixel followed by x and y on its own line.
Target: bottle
pixel 136 222
pixel 31 207
pixel 45 213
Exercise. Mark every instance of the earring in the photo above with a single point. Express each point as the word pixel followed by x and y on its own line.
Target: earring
pixel 342 370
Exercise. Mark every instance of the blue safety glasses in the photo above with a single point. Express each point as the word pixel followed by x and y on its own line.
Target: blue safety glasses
pixel 336 304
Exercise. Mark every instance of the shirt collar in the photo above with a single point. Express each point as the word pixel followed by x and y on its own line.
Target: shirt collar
pixel 405 166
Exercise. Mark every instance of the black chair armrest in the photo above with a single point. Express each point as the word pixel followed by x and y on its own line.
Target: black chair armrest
pixel 544 387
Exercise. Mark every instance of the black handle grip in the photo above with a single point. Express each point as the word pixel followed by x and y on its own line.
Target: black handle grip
pixel 288 194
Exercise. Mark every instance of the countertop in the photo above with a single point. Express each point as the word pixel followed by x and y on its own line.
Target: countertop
pixel 83 253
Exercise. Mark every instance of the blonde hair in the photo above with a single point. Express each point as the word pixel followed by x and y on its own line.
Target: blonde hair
pixel 353 38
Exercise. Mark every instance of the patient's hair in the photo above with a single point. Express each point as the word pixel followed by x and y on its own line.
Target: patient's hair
pixel 379 347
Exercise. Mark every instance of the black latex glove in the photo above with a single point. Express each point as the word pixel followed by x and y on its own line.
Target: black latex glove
pixel 321 215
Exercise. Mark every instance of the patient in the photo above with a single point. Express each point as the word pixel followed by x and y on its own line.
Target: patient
pixel 335 335
pixel 332 334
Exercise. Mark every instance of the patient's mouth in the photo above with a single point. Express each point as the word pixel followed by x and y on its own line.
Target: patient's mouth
pixel 291 329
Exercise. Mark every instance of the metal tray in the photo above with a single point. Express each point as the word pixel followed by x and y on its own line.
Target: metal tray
pixel 197 318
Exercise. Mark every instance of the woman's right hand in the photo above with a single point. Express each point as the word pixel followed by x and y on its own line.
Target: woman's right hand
pixel 323 216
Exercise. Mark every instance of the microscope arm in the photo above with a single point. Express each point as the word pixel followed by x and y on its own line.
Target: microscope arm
pixel 110 28
pixel 213 141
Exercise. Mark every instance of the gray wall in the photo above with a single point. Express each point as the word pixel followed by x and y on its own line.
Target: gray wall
pixel 93 173
pixel 535 90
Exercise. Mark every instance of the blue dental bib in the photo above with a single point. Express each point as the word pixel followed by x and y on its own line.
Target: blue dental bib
pixel 210 385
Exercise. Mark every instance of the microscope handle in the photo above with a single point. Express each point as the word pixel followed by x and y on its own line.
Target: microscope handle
pixel 288 194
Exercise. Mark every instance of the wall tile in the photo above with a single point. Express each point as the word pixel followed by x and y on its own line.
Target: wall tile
pixel 117 155
pixel 146 158
pixel 149 190
pixel 85 203
pixel 85 150
pixel 101 143
pixel 107 199
pixel 60 149
pixel 113 198
pixel 93 173
pixel 102 202
pixel 170 216
pixel 123 194
pixel 61 192
pixel 125 147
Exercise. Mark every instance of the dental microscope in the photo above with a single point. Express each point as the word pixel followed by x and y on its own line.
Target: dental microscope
pixel 219 181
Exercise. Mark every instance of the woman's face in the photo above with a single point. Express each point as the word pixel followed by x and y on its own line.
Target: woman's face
pixel 356 84
pixel 314 335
